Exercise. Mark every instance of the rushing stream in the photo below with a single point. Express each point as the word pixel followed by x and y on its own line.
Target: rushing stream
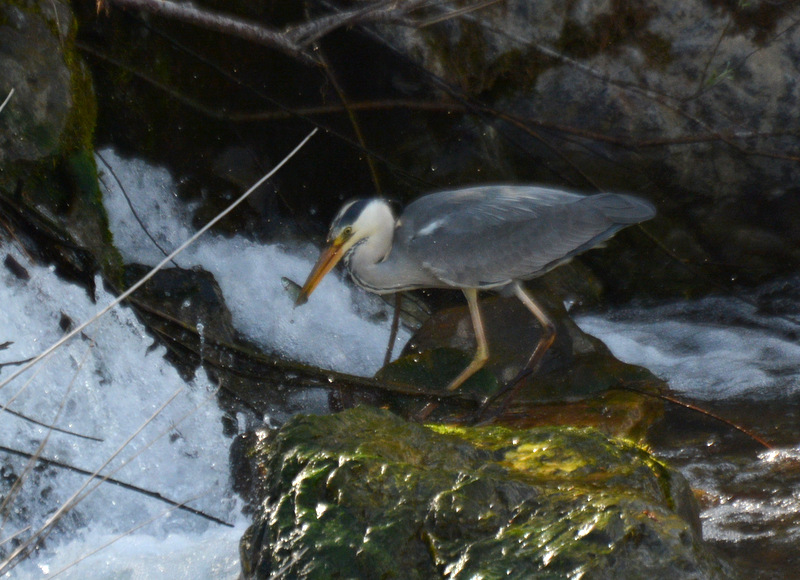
pixel 722 353
pixel 738 359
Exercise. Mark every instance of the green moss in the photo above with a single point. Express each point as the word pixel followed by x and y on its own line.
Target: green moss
pixel 63 186
pixel 79 131
pixel 365 494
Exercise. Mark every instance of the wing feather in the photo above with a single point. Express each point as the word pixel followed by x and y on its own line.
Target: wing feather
pixel 488 236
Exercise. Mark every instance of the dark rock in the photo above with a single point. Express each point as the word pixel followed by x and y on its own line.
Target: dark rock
pixel 186 310
pixel 32 63
pixel 16 268
pixel 577 382
pixel 48 178
pixel 363 494
pixel 192 297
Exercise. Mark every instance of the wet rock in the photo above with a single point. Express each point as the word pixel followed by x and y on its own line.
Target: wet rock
pixel 161 101
pixel 363 494
pixel 48 179
pixel 33 64
pixel 192 297
pixel 512 333
pixel 186 310
pixel 577 383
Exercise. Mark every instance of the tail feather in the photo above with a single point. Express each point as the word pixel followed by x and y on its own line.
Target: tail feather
pixel 621 208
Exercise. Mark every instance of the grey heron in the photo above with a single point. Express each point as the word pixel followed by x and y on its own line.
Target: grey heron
pixel 476 238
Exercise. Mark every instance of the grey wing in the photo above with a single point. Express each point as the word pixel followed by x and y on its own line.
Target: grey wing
pixel 488 236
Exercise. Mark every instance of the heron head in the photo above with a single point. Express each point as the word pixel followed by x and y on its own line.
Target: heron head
pixel 356 221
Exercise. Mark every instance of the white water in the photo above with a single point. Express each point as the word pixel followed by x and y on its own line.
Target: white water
pixel 722 349
pixel 331 330
pixel 116 385
pixel 122 382
pixel 709 349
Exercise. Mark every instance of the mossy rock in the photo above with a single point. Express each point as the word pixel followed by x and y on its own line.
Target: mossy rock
pixel 48 177
pixel 364 494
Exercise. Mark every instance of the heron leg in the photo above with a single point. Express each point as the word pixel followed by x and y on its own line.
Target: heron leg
pixel 545 342
pixel 482 352
pixel 398 304
pixel 548 330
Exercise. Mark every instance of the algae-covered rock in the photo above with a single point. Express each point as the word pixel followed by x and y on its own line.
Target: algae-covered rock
pixel 364 494
pixel 48 177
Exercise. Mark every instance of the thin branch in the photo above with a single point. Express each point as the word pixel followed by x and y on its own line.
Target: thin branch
pixel 381 11
pixel 13 363
pixel 332 131
pixel 702 84
pixel 181 505
pixel 170 428
pixel 17 486
pixel 673 103
pixel 112 481
pixel 53 427
pixel 692 407
pixel 85 490
pixel 48 526
pixel 31 543
pixel 187 12
pixel 452 106
pixel 24 387
pixel 14 535
pixel 8 98
pixel 67 505
pixel 292 41
pixel 130 206
pixel 351 115
pixel 456 13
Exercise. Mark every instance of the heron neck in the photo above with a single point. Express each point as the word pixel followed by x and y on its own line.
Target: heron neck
pixel 372 263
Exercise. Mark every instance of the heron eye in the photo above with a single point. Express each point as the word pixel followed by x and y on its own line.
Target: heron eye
pixel 347 232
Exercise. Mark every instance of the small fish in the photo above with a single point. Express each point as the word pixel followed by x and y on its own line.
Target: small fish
pixel 293 290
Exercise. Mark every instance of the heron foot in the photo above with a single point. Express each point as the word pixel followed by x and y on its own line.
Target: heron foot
pixel 489 410
pixel 481 356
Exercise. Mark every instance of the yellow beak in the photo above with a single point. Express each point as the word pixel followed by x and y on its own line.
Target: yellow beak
pixel 329 257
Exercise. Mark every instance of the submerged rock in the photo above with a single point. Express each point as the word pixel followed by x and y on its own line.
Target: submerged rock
pixel 364 494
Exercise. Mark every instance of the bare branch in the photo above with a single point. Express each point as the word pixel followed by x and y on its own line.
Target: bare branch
pixel 130 206
pixel 380 11
pixel 181 505
pixel 456 13
pixel 187 12
pixel 293 41
pixel 8 98
pixel 13 492
pixel 51 426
